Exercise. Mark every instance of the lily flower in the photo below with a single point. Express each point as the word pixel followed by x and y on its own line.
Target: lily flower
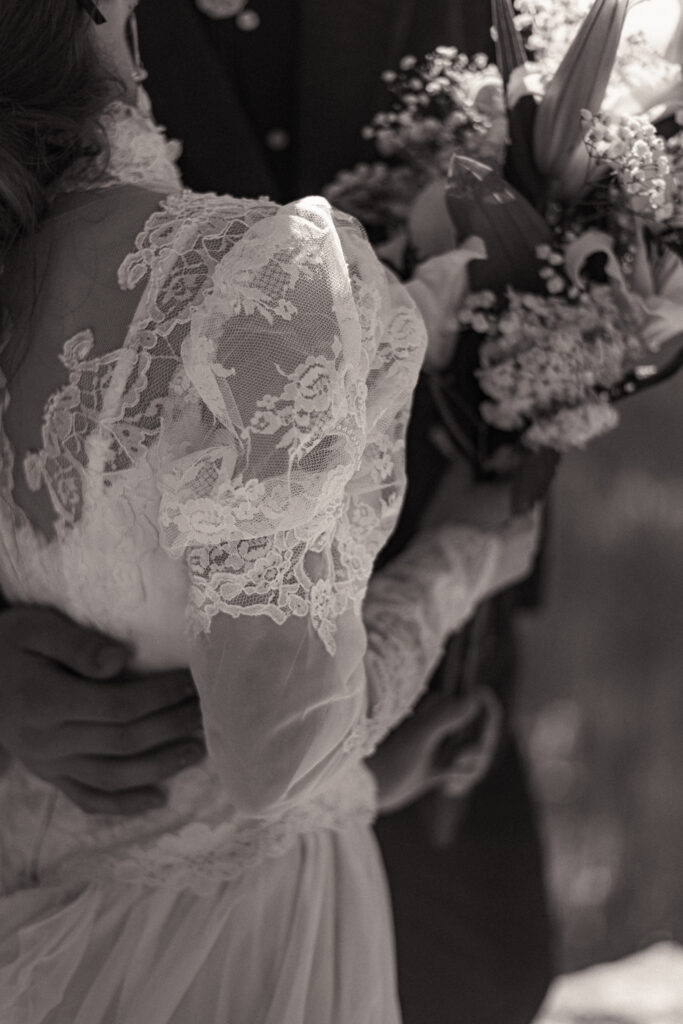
pixel 658 285
pixel 580 83
pixel 510 52
pixel 654 290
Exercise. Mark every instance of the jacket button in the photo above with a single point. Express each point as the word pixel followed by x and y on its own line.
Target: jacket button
pixel 248 21
pixel 277 139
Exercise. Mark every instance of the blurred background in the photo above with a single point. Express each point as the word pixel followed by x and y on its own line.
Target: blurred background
pixel 601 705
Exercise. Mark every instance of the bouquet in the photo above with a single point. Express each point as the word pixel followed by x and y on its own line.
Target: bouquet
pixel 565 158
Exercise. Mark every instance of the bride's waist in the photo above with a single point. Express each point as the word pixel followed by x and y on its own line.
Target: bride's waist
pixel 196 840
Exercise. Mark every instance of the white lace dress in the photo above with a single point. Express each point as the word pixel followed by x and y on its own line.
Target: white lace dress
pixel 202 455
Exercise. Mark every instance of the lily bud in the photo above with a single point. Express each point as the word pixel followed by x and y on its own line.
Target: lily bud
pixel 575 177
pixel 580 83
pixel 510 52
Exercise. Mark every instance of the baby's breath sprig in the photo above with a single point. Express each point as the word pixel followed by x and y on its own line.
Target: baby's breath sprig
pixel 379 194
pixel 443 103
pixel 548 362
pixel 644 163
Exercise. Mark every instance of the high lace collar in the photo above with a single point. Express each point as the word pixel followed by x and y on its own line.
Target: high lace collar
pixel 139 152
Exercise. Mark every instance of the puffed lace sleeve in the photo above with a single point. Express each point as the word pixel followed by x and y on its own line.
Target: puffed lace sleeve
pixel 281 476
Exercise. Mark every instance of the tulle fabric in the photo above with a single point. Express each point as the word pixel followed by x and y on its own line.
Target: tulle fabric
pixel 301 939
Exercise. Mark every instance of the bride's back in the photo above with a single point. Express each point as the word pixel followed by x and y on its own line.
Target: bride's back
pixel 57 284
pixel 78 505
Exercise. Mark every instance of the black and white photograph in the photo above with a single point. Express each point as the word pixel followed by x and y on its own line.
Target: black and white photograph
pixel 341 511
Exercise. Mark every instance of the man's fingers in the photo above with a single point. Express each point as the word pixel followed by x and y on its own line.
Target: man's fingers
pixel 471 763
pixel 125 700
pixel 440 717
pixel 125 739
pixel 113 774
pixel 45 632
pixel 93 801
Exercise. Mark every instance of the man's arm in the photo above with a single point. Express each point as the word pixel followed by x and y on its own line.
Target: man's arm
pixel 72 716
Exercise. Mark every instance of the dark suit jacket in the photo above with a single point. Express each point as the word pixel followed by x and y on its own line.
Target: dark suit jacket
pixel 343 47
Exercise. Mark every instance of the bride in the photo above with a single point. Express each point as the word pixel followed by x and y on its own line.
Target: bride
pixel 204 402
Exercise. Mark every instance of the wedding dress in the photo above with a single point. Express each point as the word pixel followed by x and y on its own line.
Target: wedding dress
pixel 204 404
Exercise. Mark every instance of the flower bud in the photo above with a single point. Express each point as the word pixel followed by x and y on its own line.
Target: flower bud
pixel 510 52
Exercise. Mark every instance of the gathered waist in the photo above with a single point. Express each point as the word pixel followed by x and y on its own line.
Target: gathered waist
pixel 171 849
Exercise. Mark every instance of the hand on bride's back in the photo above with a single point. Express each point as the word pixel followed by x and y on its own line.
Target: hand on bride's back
pixel 72 716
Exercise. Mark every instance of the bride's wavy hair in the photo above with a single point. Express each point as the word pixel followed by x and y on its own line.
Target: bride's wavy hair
pixel 53 87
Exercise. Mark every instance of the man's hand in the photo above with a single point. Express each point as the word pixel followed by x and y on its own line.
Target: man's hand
pixel 71 716
pixel 448 743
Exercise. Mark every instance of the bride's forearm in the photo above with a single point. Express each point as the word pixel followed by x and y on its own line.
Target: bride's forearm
pixel 412 607
pixel 416 602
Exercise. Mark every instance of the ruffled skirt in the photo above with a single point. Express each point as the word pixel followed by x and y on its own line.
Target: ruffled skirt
pixel 304 938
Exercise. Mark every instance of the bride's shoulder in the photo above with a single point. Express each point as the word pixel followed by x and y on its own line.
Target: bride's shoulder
pixel 212 214
pixel 187 230
pixel 209 210
pixel 182 223
pixel 155 215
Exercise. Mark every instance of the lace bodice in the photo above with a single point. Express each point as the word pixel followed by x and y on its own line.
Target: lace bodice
pixel 219 461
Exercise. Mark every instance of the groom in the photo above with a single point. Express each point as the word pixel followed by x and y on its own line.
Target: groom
pixel 269 97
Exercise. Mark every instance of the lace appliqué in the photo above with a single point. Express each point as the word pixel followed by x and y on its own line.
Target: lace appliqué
pixel 168 389
pixel 296 540
pixel 106 420
pixel 85 423
pixel 139 152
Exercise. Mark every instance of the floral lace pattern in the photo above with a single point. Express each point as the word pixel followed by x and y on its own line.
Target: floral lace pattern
pixel 158 388
pixel 412 607
pixel 279 485
pixel 139 152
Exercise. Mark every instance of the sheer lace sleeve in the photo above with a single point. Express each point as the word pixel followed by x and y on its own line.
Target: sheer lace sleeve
pixel 413 605
pixel 281 475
